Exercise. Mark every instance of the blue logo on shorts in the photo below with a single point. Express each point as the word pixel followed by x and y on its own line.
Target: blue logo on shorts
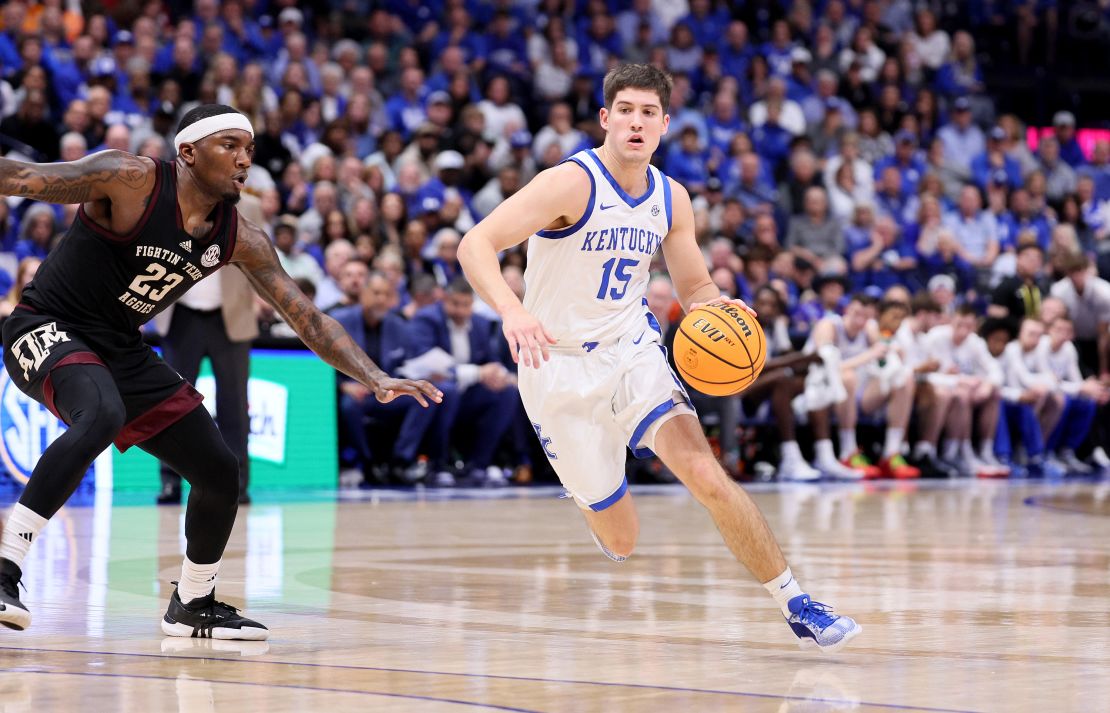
pixel 545 441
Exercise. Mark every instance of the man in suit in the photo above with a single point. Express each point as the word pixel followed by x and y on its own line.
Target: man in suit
pixel 215 319
pixel 382 335
pixel 480 395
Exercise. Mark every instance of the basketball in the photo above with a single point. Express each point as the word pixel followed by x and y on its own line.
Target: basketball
pixel 719 349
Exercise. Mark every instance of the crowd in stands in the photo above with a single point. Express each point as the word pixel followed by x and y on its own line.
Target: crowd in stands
pixel 922 268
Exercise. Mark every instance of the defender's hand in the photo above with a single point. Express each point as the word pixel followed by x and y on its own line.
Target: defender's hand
pixel 388 389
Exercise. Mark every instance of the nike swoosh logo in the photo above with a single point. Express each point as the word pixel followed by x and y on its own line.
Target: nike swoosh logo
pixel 607 207
pixel 640 337
pixel 787 583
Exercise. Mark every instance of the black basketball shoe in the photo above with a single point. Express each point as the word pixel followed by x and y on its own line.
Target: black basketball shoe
pixel 206 618
pixel 12 612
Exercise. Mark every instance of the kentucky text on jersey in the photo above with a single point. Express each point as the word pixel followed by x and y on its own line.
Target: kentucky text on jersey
pixel 624 238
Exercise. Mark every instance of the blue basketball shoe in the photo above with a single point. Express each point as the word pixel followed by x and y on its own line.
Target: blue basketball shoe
pixel 815 625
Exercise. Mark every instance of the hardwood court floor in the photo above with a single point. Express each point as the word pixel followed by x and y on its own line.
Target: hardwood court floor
pixel 974 596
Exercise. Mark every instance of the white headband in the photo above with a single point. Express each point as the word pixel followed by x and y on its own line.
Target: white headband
pixel 211 125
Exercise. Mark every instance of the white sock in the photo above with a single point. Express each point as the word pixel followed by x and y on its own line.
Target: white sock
pixel 791 453
pixel 951 449
pixel 924 449
pixel 848 442
pixel 784 588
pixel 197 580
pixel 967 451
pixel 894 438
pixel 824 451
pixel 986 452
pixel 22 528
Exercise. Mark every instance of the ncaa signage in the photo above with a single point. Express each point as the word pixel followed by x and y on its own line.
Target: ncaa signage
pixel 26 429
pixel 268 404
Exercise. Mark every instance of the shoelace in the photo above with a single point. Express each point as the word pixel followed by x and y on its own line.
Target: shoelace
pixel 816 613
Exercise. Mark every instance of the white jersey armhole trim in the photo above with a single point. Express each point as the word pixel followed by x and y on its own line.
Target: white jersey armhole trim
pixel 572 229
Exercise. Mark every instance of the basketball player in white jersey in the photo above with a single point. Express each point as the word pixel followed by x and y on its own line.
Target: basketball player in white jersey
pixel 873 378
pixel 1032 402
pixel 932 401
pixel 1082 397
pixel 594 376
pixel 967 366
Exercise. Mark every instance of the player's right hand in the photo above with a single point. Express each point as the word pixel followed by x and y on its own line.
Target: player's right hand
pixel 528 340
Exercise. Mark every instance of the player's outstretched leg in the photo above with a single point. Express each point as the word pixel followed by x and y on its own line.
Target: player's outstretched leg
pixel 87 398
pixel 681 445
pixel 194 448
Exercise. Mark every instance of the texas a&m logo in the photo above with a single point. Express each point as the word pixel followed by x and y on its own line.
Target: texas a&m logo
pixel 33 347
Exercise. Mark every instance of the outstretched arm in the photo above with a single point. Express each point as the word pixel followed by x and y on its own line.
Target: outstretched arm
pixel 255 256
pixel 106 175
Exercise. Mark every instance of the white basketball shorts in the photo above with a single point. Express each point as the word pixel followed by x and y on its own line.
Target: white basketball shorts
pixel 589 404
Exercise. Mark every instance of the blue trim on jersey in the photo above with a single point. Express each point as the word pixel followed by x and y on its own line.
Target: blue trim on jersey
pixel 654 415
pixel 652 321
pixel 612 499
pixel 667 201
pixel 632 202
pixel 571 230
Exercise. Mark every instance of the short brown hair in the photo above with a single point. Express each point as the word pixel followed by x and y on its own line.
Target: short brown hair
pixel 923 302
pixel 638 76
pixel 1075 262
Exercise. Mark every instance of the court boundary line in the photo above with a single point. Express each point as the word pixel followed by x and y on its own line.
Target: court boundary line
pixel 531 679
pixel 292 686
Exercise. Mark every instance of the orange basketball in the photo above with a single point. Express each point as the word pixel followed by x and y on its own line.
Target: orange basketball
pixel 719 349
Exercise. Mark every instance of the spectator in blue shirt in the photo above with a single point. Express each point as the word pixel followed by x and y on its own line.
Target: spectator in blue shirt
pixel 770 139
pixel 1099 169
pixel 1063 123
pixel 906 160
pixel 974 229
pixel 994 160
pixel 961 75
pixel 735 52
pixel 888 259
pixel 890 199
pixel 686 161
pixel 405 110
pixel 751 187
pixel 505 48
pixel 1024 217
pixel 706 21
pixel 778 52
pixel 962 139
pixel 724 122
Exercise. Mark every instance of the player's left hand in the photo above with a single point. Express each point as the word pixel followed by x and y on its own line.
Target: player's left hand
pixel 388 389
pixel 722 300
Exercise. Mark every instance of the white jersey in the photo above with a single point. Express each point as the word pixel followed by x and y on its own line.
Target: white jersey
pixel 847 345
pixel 1024 370
pixel 1064 364
pixel 586 283
pixel 971 358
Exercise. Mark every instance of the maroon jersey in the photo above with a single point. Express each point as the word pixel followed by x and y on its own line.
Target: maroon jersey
pixel 102 282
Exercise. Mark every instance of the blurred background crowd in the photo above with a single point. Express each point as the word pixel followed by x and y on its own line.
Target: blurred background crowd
pixel 946 157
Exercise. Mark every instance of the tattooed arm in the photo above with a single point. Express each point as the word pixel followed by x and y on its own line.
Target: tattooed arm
pixel 255 256
pixel 107 175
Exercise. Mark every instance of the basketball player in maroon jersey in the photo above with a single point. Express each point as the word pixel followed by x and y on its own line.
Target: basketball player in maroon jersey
pixel 146 232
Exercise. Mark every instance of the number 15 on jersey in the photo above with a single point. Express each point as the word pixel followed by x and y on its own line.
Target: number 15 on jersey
pixel 619 271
